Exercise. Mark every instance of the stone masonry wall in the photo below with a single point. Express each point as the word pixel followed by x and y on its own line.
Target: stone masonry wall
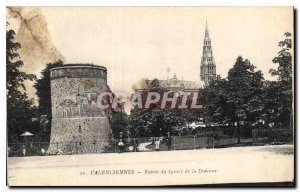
pixel 78 124
pixel 79 135
pixel 76 97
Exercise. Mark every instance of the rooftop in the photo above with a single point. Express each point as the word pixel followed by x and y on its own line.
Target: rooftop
pixel 81 65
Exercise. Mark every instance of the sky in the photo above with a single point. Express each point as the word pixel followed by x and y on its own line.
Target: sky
pixel 135 43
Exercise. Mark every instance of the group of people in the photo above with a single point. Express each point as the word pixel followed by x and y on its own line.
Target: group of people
pixel 156 143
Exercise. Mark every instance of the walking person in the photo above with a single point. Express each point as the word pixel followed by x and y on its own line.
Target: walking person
pixel 169 141
pixel 121 145
pixel 135 145
pixel 24 150
pixel 157 143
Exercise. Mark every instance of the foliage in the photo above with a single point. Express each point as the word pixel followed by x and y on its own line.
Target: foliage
pixel 245 99
pixel 279 94
pixel 19 108
pixel 237 99
pixel 278 105
pixel 154 84
pixel 43 92
pixel 157 121
pixel 245 88
pixel 217 109
pixel 15 77
pixel 118 123
pixel 284 61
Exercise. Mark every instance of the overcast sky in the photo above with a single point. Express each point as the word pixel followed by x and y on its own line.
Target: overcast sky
pixel 138 43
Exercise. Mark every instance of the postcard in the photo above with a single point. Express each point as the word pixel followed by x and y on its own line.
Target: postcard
pixel 150 96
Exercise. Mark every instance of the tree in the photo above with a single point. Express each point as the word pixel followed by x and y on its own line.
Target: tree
pixel 157 121
pixel 154 84
pixel 217 109
pixel 238 99
pixel 43 92
pixel 137 124
pixel 284 61
pixel 279 94
pixel 19 107
pixel 118 123
pixel 277 105
pixel 245 93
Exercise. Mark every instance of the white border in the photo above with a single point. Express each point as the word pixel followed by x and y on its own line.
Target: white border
pixel 3 4
pixel 150 3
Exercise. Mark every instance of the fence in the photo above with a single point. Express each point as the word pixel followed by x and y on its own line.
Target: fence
pixel 144 144
pixel 272 136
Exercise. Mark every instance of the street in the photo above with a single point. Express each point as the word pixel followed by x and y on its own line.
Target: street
pixel 205 166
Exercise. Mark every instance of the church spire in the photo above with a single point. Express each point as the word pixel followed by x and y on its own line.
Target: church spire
pixel 208 66
pixel 206 30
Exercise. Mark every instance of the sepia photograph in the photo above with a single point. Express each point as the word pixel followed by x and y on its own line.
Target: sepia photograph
pixel 150 96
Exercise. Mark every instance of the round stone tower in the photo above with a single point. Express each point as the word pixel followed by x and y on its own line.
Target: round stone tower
pixel 78 124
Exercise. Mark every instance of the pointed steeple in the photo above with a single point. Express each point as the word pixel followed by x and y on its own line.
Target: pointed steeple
pixel 208 65
pixel 206 30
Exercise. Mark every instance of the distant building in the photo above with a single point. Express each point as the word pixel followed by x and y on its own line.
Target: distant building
pixel 173 84
pixel 208 65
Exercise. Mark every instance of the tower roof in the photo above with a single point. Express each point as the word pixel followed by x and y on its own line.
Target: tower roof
pixel 206 30
pixel 208 66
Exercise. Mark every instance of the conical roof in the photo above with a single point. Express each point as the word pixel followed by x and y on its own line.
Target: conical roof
pixel 26 134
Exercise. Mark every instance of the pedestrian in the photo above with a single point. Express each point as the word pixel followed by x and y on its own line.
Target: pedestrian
pixel 157 143
pixel 169 141
pixel 43 151
pixel 121 145
pixel 24 150
pixel 135 145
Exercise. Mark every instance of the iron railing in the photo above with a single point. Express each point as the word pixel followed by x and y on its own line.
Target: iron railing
pixel 145 144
